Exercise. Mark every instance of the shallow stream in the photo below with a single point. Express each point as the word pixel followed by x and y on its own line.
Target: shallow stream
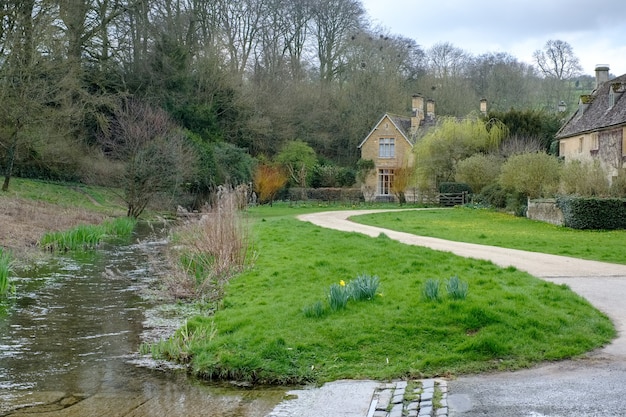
pixel 69 337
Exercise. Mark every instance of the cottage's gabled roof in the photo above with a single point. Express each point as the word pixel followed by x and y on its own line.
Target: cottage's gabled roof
pixel 403 124
pixel 597 113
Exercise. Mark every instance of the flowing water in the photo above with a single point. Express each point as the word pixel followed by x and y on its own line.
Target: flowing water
pixel 68 343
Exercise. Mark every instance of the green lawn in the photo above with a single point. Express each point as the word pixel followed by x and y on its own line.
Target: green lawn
pixel 488 227
pixel 509 319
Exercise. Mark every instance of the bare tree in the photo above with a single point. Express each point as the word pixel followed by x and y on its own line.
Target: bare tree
pixel 558 64
pixel 446 81
pixel 502 80
pixel 297 16
pixel 446 60
pixel 241 24
pixel 153 151
pixel 557 60
pixel 333 22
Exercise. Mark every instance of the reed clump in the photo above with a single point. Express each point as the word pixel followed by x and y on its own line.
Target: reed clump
pixel 87 237
pixel 210 251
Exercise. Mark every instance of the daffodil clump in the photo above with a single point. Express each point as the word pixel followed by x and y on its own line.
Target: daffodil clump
pixel 363 288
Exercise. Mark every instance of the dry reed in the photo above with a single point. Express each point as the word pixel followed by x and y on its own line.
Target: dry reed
pixel 210 251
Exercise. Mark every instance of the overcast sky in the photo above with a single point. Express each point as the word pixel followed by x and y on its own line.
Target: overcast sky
pixel 596 30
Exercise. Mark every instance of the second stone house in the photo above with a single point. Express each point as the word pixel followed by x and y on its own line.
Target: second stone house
pixel 597 130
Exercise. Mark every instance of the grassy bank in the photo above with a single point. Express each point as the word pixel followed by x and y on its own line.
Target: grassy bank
pixel 262 331
pixel 488 227
pixel 65 195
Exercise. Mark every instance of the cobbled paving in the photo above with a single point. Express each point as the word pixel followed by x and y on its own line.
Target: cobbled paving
pixel 425 398
pixel 419 398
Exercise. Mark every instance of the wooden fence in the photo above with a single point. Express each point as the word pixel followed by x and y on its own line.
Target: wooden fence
pixel 453 199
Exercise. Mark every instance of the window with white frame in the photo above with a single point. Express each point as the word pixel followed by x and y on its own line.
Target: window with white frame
pixel 385 180
pixel 387 148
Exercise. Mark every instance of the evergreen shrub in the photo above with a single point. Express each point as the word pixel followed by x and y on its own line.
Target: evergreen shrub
pixel 593 212
pixel 454 187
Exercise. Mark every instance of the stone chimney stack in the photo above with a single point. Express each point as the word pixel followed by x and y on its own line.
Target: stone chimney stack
pixel 483 106
pixel 430 110
pixel 417 112
pixel 602 74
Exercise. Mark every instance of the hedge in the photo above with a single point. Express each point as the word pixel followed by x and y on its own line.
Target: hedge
pixel 326 194
pixel 593 212
pixel 454 187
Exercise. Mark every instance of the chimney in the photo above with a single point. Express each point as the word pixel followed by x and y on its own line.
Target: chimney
pixel 417 112
pixel 430 110
pixel 602 74
pixel 483 106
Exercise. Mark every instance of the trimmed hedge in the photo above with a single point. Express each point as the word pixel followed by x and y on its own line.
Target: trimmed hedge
pixel 454 187
pixel 329 194
pixel 593 212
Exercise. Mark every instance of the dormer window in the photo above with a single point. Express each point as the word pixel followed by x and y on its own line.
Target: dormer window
pixel 611 98
pixel 387 148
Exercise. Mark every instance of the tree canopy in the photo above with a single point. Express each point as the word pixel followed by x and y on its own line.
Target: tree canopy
pixel 239 79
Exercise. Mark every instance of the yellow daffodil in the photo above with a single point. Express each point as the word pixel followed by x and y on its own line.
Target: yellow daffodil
pixel 342 283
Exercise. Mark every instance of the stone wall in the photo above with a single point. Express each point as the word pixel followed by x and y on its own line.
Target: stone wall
pixel 545 210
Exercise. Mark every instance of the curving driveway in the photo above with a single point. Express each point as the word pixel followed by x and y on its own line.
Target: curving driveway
pixel 594 385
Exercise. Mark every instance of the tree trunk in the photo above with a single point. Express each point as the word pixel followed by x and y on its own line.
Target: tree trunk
pixel 10 161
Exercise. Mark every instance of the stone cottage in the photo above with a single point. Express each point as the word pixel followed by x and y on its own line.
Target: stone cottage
pixel 389 145
pixel 597 130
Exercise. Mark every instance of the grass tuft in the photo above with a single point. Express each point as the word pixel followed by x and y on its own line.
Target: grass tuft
pixel 315 310
pixel 5 272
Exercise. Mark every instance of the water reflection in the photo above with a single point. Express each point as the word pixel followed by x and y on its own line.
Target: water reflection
pixel 67 338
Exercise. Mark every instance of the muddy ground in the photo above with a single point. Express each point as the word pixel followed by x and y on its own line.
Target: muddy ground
pixel 23 223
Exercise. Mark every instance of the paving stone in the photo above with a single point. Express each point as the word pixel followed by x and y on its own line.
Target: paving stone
pixel 427 395
pixel 397 399
pixel 413 406
pixel 401 385
pixel 428 383
pixel 396 411
pixel 426 404
pixel 384 398
pixel 412 413
pixel 380 413
pixel 442 412
pixel 425 412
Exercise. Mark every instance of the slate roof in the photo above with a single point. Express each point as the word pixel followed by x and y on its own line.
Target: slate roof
pixel 598 115
pixel 403 124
